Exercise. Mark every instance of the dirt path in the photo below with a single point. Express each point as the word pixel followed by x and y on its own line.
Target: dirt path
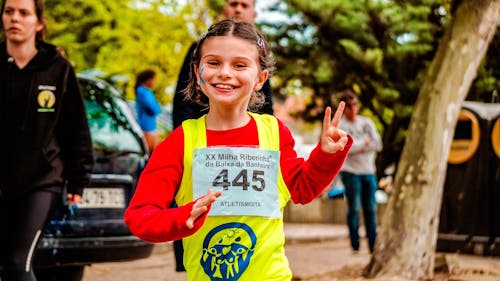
pixel 319 261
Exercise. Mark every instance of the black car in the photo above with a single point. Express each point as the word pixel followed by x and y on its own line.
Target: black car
pixel 94 231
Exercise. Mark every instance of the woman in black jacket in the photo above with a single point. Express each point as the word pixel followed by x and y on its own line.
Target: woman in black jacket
pixel 45 145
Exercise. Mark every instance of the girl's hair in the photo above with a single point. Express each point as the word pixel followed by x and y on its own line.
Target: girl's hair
pixel 144 76
pixel 242 30
pixel 40 35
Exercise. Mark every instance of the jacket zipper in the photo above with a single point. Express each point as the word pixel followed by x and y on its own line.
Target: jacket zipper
pixel 31 95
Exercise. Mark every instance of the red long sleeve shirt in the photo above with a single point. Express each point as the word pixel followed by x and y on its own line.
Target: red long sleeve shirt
pixel 149 216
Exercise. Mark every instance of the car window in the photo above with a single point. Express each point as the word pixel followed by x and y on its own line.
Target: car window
pixel 109 124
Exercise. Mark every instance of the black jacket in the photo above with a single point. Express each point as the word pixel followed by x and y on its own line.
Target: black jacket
pixel 186 109
pixel 45 139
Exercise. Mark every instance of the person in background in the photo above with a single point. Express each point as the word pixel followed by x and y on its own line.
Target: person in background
pixel 147 107
pixel 241 10
pixel 231 171
pixel 358 173
pixel 45 148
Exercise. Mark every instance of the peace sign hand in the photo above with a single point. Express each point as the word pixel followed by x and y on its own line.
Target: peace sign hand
pixel 332 138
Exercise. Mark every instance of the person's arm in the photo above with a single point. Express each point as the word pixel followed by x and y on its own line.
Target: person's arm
pixel 375 142
pixel 369 141
pixel 149 215
pixel 74 137
pixel 149 101
pixel 358 146
pixel 359 141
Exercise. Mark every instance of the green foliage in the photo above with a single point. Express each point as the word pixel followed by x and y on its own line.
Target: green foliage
pixel 118 38
pixel 216 5
pixel 488 78
pixel 381 48
pixel 123 37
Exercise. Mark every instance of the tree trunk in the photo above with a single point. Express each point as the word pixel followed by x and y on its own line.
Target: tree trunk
pixel 406 243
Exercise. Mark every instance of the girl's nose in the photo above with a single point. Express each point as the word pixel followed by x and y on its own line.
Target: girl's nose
pixel 225 71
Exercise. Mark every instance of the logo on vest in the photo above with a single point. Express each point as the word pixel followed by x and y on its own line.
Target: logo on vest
pixel 46 100
pixel 227 250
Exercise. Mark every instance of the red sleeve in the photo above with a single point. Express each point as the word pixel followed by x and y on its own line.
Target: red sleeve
pixel 149 215
pixel 306 180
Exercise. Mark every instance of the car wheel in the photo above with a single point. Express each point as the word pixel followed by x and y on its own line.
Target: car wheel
pixel 60 273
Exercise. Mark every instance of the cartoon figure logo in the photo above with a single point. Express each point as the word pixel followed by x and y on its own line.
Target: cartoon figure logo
pixel 46 100
pixel 227 250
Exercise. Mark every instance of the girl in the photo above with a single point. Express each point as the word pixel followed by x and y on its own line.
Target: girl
pixel 147 107
pixel 46 141
pixel 231 171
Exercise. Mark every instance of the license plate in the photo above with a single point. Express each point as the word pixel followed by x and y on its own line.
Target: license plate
pixel 102 198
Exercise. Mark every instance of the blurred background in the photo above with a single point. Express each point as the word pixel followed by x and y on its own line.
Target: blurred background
pixel 380 49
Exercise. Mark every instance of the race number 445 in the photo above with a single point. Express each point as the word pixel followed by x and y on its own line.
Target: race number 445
pixel 257 182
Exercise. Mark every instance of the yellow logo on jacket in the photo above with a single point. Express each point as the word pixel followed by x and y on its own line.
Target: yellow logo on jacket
pixel 46 100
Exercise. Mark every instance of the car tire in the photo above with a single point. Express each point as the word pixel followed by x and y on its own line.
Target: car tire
pixel 60 273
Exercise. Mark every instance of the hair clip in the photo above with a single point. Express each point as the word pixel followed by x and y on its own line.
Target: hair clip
pixel 261 44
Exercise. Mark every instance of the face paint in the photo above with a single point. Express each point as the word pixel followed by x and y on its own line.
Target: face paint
pixel 201 77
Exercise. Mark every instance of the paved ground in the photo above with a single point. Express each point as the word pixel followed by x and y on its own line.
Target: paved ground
pixel 316 252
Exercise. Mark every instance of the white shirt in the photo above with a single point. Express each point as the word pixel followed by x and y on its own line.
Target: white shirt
pixel 361 157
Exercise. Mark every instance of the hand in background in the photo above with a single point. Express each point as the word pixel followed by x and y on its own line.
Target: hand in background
pixel 332 138
pixel 73 199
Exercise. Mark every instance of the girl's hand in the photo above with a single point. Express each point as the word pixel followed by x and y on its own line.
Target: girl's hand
pixel 201 206
pixel 332 138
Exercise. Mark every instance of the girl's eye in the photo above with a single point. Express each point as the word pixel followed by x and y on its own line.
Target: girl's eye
pixel 240 65
pixel 213 63
pixel 8 11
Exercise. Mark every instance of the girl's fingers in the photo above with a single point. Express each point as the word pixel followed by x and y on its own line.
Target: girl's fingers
pixel 195 214
pixel 342 140
pixel 326 118
pixel 201 206
pixel 190 223
pixel 198 211
pixel 338 114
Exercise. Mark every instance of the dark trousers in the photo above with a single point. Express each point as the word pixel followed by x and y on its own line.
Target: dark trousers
pixel 178 250
pixel 22 219
pixel 179 256
pixel 360 193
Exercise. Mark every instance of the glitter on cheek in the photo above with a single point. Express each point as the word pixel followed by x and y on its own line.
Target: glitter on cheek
pixel 201 75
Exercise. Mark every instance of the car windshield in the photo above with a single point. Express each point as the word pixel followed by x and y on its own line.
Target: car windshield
pixel 108 119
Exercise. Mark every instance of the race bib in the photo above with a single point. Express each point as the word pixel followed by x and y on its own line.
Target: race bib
pixel 247 177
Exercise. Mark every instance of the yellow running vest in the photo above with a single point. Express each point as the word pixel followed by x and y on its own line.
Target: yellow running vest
pixel 243 248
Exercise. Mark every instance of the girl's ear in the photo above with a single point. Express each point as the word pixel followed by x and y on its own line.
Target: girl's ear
pixel 261 79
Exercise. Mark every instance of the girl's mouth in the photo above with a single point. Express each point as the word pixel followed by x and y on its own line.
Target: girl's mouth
pixel 223 86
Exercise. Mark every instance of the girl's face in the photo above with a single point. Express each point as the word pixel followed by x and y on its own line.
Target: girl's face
pixel 20 21
pixel 229 71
